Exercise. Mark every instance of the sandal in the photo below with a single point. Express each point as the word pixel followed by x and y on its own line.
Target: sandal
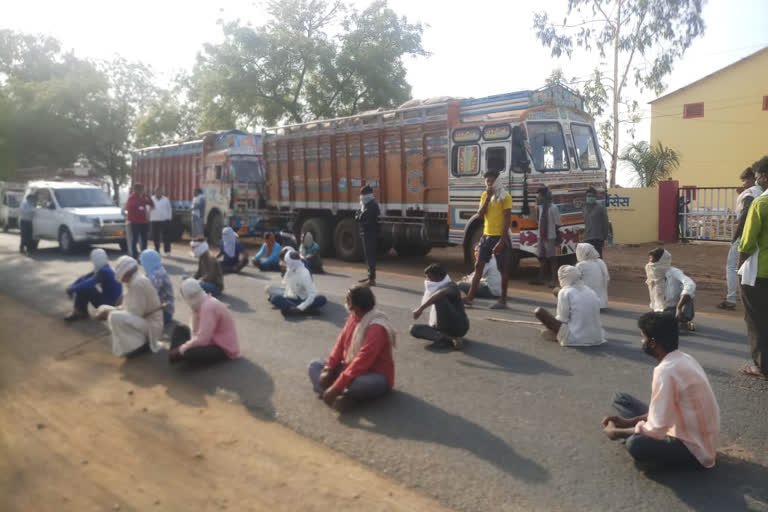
pixel 751 370
pixel 729 306
pixel 457 343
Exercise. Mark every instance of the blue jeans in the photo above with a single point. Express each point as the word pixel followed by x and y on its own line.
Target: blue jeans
pixel 210 288
pixel 364 387
pixel 139 233
pixel 282 303
pixel 167 317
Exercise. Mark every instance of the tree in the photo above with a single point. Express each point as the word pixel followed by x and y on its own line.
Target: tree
pixel 296 68
pixel 650 164
pixel 656 31
pixel 164 119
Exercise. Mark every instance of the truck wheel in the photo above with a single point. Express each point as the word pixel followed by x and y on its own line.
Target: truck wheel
pixel 469 247
pixel 214 226
pixel 66 243
pixel 346 240
pixel 412 250
pixel 321 232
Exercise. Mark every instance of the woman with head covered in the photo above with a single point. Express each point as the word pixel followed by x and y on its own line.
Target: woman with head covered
pixel 594 271
pixel 96 288
pixel 233 254
pixel 153 267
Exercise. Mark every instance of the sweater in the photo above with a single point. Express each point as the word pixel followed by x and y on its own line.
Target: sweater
pixel 375 355
pixel 212 324
pixel 596 225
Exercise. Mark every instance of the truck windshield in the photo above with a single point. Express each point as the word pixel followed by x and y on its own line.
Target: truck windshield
pixel 586 147
pixel 548 146
pixel 247 171
pixel 82 197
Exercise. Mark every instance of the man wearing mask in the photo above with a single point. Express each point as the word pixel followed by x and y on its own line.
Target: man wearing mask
pixel 160 219
pixel 596 226
pixel 137 209
pixel 368 220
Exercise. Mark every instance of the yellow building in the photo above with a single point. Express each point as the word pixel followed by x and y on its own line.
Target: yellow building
pixel 718 124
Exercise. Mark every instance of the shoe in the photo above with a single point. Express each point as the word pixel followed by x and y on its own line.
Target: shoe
pixel 343 403
pixel 500 305
pixel 74 316
pixel 457 343
pixel 728 306
pixel 363 280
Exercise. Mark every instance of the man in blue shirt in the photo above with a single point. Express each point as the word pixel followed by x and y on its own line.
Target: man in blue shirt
pixel 26 214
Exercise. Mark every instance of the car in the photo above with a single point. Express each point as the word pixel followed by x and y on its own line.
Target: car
pixel 74 213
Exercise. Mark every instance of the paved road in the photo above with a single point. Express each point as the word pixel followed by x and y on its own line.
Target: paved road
pixel 511 423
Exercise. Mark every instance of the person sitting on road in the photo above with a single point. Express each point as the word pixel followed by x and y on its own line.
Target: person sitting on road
pixel 489 286
pixel 594 271
pixel 310 253
pixel 157 275
pixel 670 289
pixel 448 320
pixel 360 366
pixel 209 271
pixel 97 288
pixel 138 323
pixel 299 294
pixel 577 323
pixel 212 336
pixel 682 424
pixel 268 257
pixel 233 253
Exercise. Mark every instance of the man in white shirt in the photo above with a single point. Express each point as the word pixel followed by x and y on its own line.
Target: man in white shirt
pixel 160 219
pixel 751 191
pixel 670 290
pixel 490 282
pixel 577 323
pixel 299 295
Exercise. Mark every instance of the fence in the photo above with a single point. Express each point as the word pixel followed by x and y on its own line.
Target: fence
pixel 707 213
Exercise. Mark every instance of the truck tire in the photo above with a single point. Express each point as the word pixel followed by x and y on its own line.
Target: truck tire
pixel 66 242
pixel 412 250
pixel 473 240
pixel 213 227
pixel 321 232
pixel 346 240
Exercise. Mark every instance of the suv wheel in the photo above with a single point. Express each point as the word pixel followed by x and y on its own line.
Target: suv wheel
pixel 66 243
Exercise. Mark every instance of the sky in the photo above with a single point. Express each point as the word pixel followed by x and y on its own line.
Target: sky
pixel 477 48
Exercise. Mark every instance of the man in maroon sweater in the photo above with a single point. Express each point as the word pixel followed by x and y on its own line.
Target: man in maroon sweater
pixel 360 366
pixel 137 213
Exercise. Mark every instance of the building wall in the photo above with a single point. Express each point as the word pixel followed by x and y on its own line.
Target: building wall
pixel 715 148
pixel 634 215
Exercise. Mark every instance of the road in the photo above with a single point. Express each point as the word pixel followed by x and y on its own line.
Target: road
pixel 511 423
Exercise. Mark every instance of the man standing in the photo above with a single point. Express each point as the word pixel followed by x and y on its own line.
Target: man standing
pixel 753 251
pixel 549 236
pixel 198 214
pixel 368 220
pixel 750 193
pixel 137 208
pixel 496 211
pixel 160 219
pixel 596 226
pixel 26 214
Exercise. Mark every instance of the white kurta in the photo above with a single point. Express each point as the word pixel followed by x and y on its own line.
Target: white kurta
pixel 595 275
pixel 677 285
pixel 578 308
pixel 299 285
pixel 139 320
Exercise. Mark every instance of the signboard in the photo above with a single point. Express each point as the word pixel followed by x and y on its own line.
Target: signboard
pixel 466 135
pixel 498 132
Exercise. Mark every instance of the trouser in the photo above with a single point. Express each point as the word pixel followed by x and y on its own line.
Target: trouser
pixel 448 324
pixel 88 296
pixel 363 387
pixel 167 317
pixel 198 228
pixel 315 264
pixel 268 267
pixel 160 232
pixel 731 272
pixel 211 288
pixel 598 245
pixel 207 354
pixel 237 267
pixel 138 236
pixel 755 299
pixel 369 251
pixel 688 311
pixel 25 226
pixel 483 292
pixel 666 452
pixel 283 303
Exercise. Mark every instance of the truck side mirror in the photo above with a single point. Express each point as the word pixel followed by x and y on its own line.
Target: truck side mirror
pixel 519 155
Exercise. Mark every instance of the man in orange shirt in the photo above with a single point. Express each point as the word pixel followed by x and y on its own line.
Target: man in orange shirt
pixel 682 424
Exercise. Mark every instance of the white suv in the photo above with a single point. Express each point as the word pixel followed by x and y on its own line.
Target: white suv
pixel 75 213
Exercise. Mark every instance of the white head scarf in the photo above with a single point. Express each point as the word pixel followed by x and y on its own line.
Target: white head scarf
pixel 292 265
pixel 656 277
pixel 199 248
pixel 569 275
pixel 228 241
pixel 308 240
pixel 431 287
pixel 99 259
pixel 124 265
pixel 499 191
pixel 586 252
pixel 192 293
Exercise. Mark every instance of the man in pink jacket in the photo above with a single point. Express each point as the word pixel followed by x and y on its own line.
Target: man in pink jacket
pixel 213 336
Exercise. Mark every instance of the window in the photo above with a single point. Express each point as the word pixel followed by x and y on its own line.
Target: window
pixel 496 159
pixel 43 198
pixel 765 102
pixel 548 147
pixel 693 110
pixel 217 172
pixel 465 160
pixel 82 197
pixel 586 146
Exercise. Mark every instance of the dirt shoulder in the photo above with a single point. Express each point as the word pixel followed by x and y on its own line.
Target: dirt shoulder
pixel 77 436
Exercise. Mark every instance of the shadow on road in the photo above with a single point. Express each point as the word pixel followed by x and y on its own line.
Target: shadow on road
pixel 507 360
pixel 331 312
pixel 733 484
pixel 399 289
pixel 236 304
pixel 237 380
pixel 400 415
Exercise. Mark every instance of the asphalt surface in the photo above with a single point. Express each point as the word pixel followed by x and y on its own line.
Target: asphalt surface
pixel 511 423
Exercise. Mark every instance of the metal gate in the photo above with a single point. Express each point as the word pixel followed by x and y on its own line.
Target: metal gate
pixel 707 213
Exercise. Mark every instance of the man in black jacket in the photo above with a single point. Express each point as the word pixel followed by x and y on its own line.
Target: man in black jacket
pixel 368 220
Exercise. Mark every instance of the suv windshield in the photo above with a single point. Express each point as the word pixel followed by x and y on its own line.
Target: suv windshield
pixel 82 197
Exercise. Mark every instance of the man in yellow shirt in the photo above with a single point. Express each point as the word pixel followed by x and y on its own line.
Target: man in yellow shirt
pixel 496 210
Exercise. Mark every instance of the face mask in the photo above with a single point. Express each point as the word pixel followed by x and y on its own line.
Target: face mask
pixel 591 200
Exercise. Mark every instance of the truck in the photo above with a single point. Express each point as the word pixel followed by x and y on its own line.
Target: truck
pixel 11 197
pixel 425 162
pixel 226 165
